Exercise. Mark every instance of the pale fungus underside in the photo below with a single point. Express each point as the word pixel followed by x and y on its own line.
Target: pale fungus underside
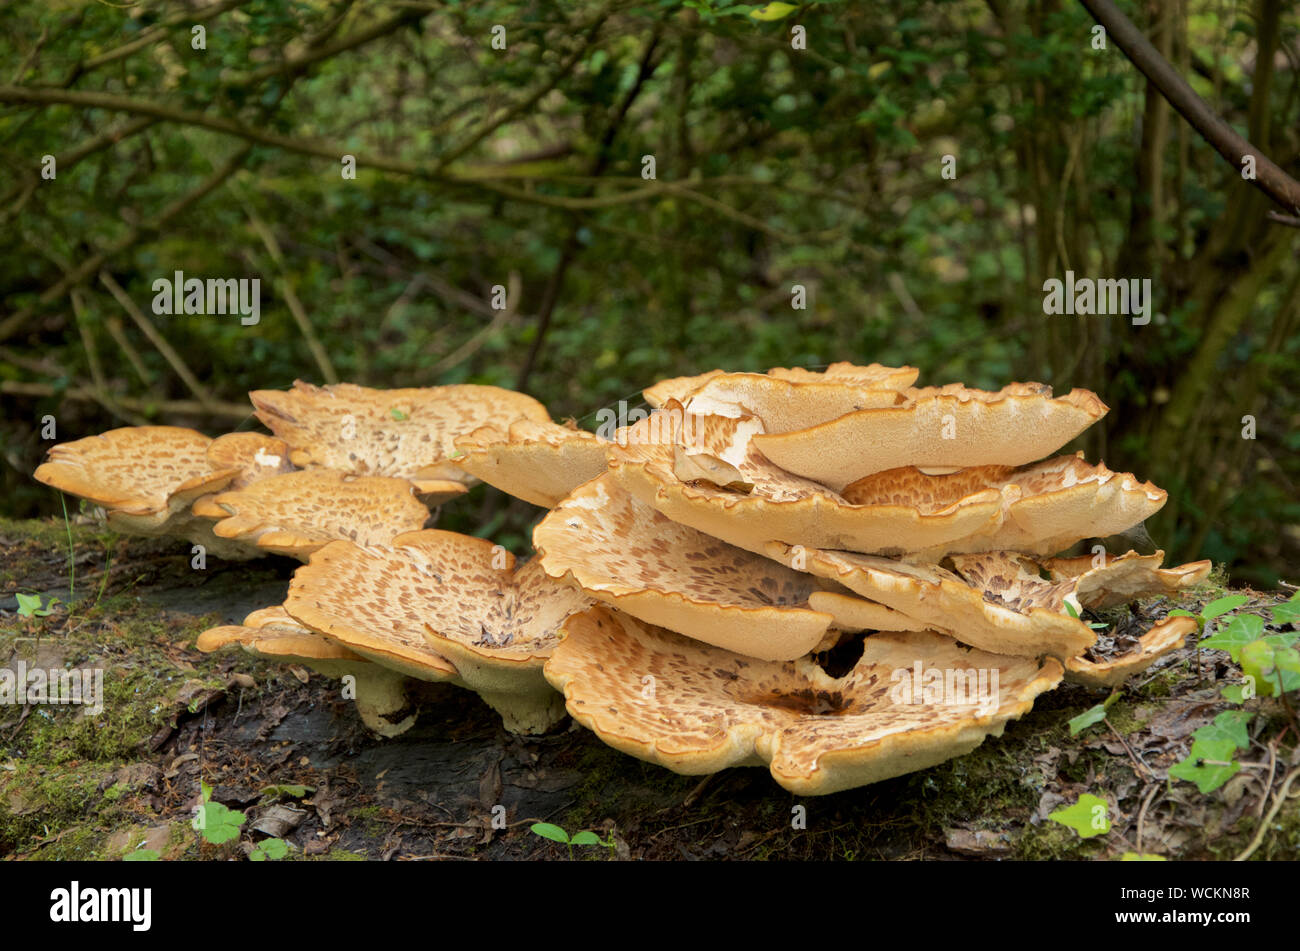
pixel 689 571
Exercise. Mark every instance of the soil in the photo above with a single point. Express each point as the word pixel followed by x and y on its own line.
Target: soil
pixel 279 745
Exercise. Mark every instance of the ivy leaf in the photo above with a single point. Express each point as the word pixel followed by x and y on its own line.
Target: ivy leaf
pixel 1088 817
pixel 1275 666
pixel 548 831
pixel 1234 693
pixel 773 11
pixel 1288 612
pixel 29 605
pixel 1223 606
pixel 1217 741
pixel 1240 631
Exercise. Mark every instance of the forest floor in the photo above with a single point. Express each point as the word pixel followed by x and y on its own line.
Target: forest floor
pixel 279 744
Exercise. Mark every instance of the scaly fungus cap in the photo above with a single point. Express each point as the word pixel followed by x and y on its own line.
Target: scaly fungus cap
pixel 668 574
pixel 1000 606
pixel 297 513
pixel 648 460
pixel 946 427
pixel 145 476
pixel 272 634
pixel 407 433
pixel 698 709
pixel 1046 506
pixel 1125 577
pixel 442 606
pixel 540 463
pixel 255 455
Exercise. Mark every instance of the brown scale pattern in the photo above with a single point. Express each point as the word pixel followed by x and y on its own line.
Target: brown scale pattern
pixel 1012 580
pixel 702 693
pixel 136 469
pixel 401 432
pixel 320 505
pixel 601 532
pixel 383 598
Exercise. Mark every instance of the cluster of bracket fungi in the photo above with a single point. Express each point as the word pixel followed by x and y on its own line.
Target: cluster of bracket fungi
pixel 695 571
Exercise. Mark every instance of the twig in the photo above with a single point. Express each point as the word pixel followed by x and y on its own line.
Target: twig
pixel 186 407
pixel 158 340
pixel 1280 798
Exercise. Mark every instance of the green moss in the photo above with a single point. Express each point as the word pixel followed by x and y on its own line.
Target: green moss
pixel 48 806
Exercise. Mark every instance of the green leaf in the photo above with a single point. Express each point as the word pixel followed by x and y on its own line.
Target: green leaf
pixel 586 837
pixel 1092 715
pixel 1274 665
pixel 773 11
pixel 1234 693
pixel 29 605
pixel 1070 610
pixel 1179 612
pixel 1141 857
pixel 548 831
pixel 1239 632
pixel 269 849
pixel 397 414
pixel 1088 817
pixel 141 855
pixel 220 824
pixel 1217 742
pixel 1288 612
pixel 1223 606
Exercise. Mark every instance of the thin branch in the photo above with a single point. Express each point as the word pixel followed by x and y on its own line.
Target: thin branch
pixel 88 268
pixel 158 340
pixel 1270 179
pixel 85 394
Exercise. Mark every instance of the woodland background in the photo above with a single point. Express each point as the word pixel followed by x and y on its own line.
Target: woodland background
pixel 775 166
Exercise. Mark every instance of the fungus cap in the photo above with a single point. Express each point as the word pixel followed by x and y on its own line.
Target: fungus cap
pixel 538 462
pixel 438 605
pixel 949 426
pixel 255 455
pixel 668 574
pixel 1047 506
pixel 1110 671
pixel 297 513
pixel 407 433
pixel 272 634
pixel 1001 607
pixel 780 505
pixel 1125 577
pixel 695 709
pixel 145 476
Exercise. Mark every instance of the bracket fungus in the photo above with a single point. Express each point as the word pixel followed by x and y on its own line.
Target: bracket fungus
pixel 779 505
pixel 272 634
pixel 1123 578
pixel 1046 506
pixel 440 606
pixel 297 513
pixel 538 462
pixel 407 433
pixel 670 575
pixel 699 709
pixel 693 573
pixel 947 427
pixel 1004 612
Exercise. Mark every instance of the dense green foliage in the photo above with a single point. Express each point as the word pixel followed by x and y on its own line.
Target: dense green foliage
pixel 775 166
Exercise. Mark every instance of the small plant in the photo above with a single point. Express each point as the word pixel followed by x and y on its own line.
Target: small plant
pixel 1270 665
pixel 219 825
pixel 1071 610
pixel 586 837
pixel 1092 715
pixel 141 855
pixel 1088 817
pixel 29 605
